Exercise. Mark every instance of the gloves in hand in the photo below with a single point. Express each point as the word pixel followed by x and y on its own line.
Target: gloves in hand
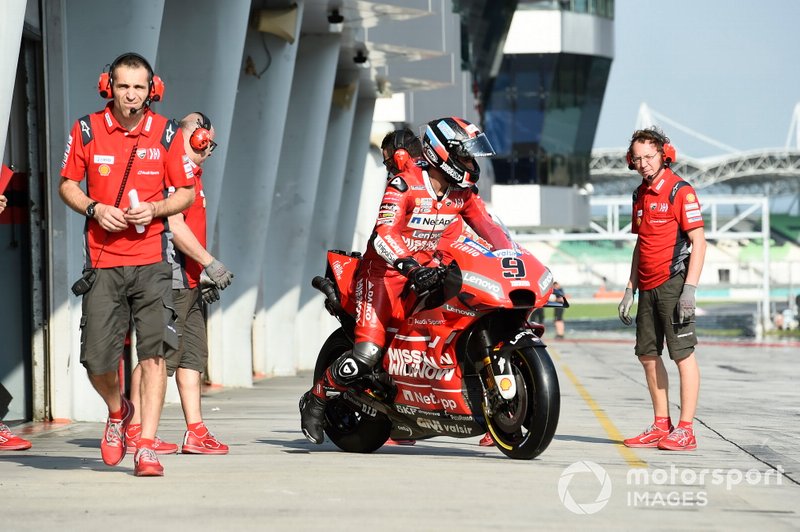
pixel 210 294
pixel 208 289
pixel 625 307
pixel 686 304
pixel 219 274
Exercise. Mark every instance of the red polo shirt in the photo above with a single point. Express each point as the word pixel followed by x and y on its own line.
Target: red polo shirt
pixel 663 213
pixel 195 218
pixel 99 148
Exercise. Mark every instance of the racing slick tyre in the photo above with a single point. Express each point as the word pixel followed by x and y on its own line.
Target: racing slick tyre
pixel 348 428
pixel 524 426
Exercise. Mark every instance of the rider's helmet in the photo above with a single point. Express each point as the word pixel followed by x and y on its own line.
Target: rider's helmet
pixel 451 145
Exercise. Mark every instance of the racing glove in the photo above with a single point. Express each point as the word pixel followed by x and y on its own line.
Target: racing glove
pixel 686 304
pixel 219 274
pixel 625 307
pixel 422 277
pixel 208 289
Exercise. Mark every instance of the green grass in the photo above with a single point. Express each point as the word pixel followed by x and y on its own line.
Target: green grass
pixel 783 334
pixel 609 309
pixel 594 310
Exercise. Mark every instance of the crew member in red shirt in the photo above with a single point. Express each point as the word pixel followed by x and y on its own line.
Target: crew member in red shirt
pixel 665 268
pixel 194 271
pixel 417 207
pixel 125 147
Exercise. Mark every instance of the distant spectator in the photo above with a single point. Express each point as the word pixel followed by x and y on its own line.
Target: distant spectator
pixel 559 295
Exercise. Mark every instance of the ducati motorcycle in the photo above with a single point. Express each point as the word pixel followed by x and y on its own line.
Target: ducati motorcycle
pixel 466 360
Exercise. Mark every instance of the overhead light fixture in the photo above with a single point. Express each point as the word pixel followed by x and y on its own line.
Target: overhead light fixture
pixel 361 59
pixel 335 21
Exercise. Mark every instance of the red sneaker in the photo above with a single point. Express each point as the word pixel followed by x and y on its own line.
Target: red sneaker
pixel 113 446
pixel 146 463
pixel 680 439
pixel 486 441
pixel 10 441
pixel 649 438
pixel 400 442
pixel 160 446
pixel 202 444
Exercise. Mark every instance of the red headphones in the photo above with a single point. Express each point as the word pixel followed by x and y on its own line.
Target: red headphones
pixel 670 154
pixel 106 82
pixel 400 155
pixel 201 137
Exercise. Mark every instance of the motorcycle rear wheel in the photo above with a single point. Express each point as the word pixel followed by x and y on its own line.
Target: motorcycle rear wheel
pixel 350 430
pixel 524 427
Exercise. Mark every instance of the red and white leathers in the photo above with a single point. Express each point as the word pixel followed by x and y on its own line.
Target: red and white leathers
pixel 410 223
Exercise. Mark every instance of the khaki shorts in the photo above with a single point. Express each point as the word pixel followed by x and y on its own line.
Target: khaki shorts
pixel 141 295
pixel 193 350
pixel 656 319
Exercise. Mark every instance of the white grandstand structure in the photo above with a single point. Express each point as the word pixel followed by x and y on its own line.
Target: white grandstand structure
pixel 746 258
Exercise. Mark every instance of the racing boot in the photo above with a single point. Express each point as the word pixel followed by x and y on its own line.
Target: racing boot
pixel 312 406
pixel 349 367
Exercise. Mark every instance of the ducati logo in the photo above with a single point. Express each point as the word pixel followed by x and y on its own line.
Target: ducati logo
pixel 85 129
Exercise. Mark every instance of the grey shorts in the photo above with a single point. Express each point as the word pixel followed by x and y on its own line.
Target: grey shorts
pixel 656 320
pixel 141 295
pixel 192 352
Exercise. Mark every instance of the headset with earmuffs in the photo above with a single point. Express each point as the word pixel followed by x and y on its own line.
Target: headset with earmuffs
pixel 668 150
pixel 400 155
pixel 105 84
pixel 201 137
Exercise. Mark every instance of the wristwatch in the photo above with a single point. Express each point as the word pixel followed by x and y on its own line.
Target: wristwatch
pixel 90 209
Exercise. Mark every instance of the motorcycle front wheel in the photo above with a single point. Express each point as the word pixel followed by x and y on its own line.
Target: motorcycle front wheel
pixel 349 429
pixel 524 426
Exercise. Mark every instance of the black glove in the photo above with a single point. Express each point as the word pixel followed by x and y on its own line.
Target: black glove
pixel 210 294
pixel 208 289
pixel 422 277
pixel 219 274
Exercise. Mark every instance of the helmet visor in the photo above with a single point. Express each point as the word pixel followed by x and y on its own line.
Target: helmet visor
pixel 475 147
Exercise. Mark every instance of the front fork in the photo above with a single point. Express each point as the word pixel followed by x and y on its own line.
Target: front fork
pixel 495 370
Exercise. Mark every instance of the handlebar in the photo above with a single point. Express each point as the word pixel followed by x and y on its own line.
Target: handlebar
pixel 324 285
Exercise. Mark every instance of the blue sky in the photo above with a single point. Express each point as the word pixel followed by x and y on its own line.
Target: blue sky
pixel 728 69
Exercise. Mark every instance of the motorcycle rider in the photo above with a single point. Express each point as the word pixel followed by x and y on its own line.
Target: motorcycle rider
pixel 417 206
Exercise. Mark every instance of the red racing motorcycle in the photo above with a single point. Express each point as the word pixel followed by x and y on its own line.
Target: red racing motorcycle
pixel 467 359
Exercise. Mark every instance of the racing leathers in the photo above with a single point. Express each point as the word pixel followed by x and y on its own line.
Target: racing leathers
pixel 410 223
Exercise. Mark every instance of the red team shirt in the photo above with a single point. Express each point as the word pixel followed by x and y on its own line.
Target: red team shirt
pixel 99 148
pixel 195 218
pixel 663 213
